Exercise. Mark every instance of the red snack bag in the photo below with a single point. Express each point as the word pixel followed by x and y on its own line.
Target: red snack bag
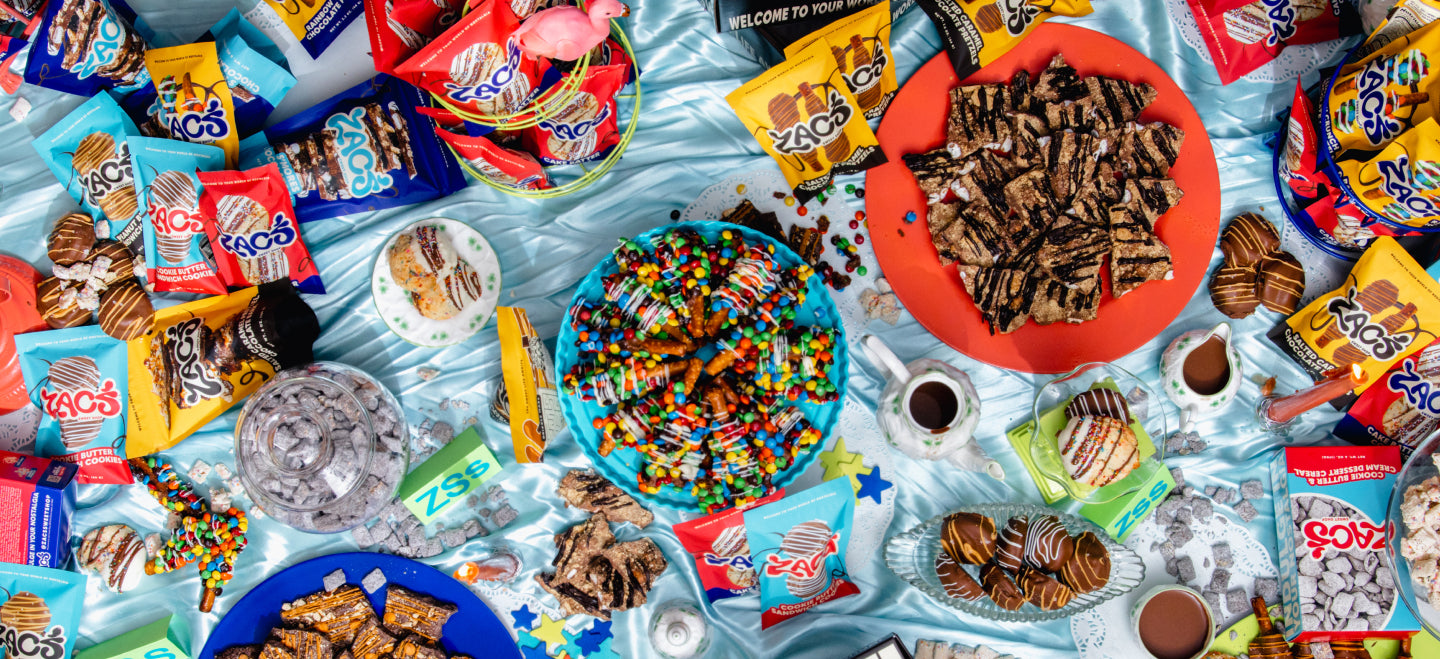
pixel 1402 409
pixel 721 551
pixel 427 18
pixel 476 67
pixel 389 45
pixel 586 128
pixel 1298 162
pixel 507 167
pixel 1243 36
pixel 251 224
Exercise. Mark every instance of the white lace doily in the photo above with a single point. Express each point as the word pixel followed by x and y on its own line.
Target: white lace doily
pixel 17 430
pixel 1293 61
pixel 1323 272
pixel 1103 632
pixel 761 187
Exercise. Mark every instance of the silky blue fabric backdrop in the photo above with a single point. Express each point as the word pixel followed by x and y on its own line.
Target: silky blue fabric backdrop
pixel 688 139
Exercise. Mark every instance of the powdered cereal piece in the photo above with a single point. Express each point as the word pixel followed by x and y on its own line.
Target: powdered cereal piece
pixel 442 432
pixel 1172 567
pixel 471 528
pixel 426 373
pixel 1202 509
pixel 1179 534
pixel 362 538
pixel 452 538
pixel 1226 496
pixel 334 580
pixel 1175 444
pixel 1167 550
pixel 494 494
pixel 1210 491
pixel 1184 516
pixel 223 471
pixel 1213 599
pixel 1252 489
pixel 1186 567
pixel 1246 511
pixel 199 471
pixel 380 531
pixel 1236 601
pixel 1195 444
pixel 1219 580
pixel 1178 475
pixel 505 514
pixel 20 109
pixel 1221 551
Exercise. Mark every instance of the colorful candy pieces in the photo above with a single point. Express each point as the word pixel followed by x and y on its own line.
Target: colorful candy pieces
pixel 210 540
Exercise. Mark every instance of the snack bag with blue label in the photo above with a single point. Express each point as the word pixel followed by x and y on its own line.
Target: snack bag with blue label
pixel 89 152
pixel 508 167
pixel 476 67
pixel 85 46
pixel 364 149
pixel 722 552
pixel 257 82
pixel 78 377
pixel 251 225
pixel 195 96
pixel 177 254
pixel 40 615
pixel 798 547
pixel 586 128
pixel 316 23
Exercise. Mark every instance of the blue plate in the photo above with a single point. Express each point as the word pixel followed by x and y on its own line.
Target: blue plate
pixel 623 465
pixel 474 630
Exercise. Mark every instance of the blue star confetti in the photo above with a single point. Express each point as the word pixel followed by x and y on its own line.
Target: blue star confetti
pixel 601 628
pixel 872 485
pixel 605 651
pixel 537 652
pixel 524 618
pixel 589 643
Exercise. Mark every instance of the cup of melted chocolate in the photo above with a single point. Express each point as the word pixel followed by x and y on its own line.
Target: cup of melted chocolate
pixel 1201 371
pixel 1173 622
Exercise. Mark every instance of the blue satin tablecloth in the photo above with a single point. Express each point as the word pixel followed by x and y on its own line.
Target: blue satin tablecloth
pixel 688 139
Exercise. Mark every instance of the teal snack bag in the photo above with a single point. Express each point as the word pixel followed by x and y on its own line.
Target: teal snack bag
pixel 89 152
pixel 178 256
pixel 798 547
pixel 40 613
pixel 257 80
pixel 78 377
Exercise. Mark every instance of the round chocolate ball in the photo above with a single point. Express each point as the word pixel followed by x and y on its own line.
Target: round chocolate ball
pixel 125 311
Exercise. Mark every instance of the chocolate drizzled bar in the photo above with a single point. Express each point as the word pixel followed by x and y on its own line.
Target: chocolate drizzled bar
pixel 595 575
pixel 316 159
pixel 409 611
pixel 977 118
pixel 303 644
pixel 338 614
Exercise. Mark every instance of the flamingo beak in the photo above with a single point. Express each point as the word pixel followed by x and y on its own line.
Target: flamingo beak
pixel 624 10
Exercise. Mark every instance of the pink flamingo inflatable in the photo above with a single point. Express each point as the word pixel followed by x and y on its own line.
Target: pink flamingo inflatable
pixel 567 33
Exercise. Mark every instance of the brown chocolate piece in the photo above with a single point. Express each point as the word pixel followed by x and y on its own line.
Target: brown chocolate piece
pixel 589 491
pixel 1152 196
pixel 1073 252
pixel 415 647
pixel 1000 587
pixel 1248 239
pixel 1025 131
pixel 1070 159
pixel 1150 150
pixel 1055 302
pixel 274 650
pixel 1088 568
pixel 72 239
pixel 239 652
pixel 746 215
pixel 1281 282
pixel 1010 547
pixel 975 237
pixel 1117 102
pixel 1002 294
pixel 1048 546
pixel 1136 254
pixel 1020 96
pixel 125 311
pixel 409 611
pixel 1059 82
pixel 338 614
pixel 50 302
pixel 807 243
pixel 955 580
pixel 968 538
pixel 1233 290
pixel 371 641
pixel 1042 590
pixel 597 576
pixel 304 644
pixel 1099 401
pixel 934 171
pixel 977 118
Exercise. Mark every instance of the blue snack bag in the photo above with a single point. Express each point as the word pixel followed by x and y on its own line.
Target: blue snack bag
pixel 316 23
pixel 89 152
pixel 257 82
pixel 85 46
pixel 798 547
pixel 364 149
pixel 178 256
pixel 40 617
pixel 78 377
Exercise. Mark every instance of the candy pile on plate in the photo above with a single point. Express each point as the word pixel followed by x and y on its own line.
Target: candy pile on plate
pixel 720 425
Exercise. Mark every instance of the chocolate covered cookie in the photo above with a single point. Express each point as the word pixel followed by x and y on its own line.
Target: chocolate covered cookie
pixel 955 580
pixel 1042 590
pixel 1233 290
pixel 1001 588
pixel 71 239
pixel 1088 569
pixel 1248 238
pixel 1010 548
pixel 1281 282
pixel 1048 546
pixel 968 538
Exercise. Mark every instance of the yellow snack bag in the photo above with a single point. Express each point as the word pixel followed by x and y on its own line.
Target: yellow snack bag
pixel 194 97
pixel 531 399
pixel 860 44
pixel 1405 17
pixel 204 356
pixel 1383 95
pixel 804 116
pixel 978 32
pixel 1403 181
pixel 1387 309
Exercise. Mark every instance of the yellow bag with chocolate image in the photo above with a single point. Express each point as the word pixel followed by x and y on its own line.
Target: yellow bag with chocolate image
pixel 804 115
pixel 196 99
pixel 204 356
pixel 860 44
pixel 1384 95
pixel 1387 309
pixel 1403 181
pixel 978 32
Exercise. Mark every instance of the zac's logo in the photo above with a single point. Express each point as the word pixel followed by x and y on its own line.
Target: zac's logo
pixel 83 404
pixel 250 245
pixel 357 156
pixel 114 172
pixel 207 124
pixel 571 132
pixel 1354 322
pixel 817 131
pixel 1019 14
pixel 1375 121
pixel 865 77
pixel 1419 392
pixel 1281 15
pixel 1342 533
pixel 737 562
pixel 175 221
pixel 802 568
pixel 1398 181
pixel 183 339
pixel 497 83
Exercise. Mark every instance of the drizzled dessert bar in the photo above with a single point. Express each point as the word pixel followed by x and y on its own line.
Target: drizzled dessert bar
pixel 318 164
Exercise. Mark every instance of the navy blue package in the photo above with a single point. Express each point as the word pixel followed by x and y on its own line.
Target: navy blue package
pixel 316 23
pixel 85 46
pixel 364 149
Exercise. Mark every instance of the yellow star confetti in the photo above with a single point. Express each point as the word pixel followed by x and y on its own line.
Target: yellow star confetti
pixel 840 462
pixel 550 631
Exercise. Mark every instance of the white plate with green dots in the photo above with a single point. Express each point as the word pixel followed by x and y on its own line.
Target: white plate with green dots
pixel 399 312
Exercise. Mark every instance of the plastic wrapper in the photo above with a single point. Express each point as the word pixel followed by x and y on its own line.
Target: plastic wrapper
pixel 860 44
pixel 1402 182
pixel 89 152
pixel 722 552
pixel 533 398
pixel 1243 36
pixel 194 96
pixel 507 167
pixel 977 32
pixel 798 544
pixel 1376 99
pixel 316 23
pixel 587 128
pixel 476 67
pixel 1402 409
pixel 254 69
pixel 40 617
pixel 178 256
pixel 78 378
pixel 252 228
pixel 85 46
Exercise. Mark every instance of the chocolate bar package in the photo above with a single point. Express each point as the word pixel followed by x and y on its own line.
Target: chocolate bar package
pixel 251 226
pixel 798 545
pixel 194 96
pixel 316 23
pixel 721 551
pixel 1402 409
pixel 254 69
pixel 977 32
pixel 38 495
pixel 861 45
pixel 1331 504
pixel 202 357
pixel 177 253
pixel 85 46
pixel 507 167
pixel 1243 36
pixel 78 378
pixel 362 150
pixel 89 152
pixel 40 616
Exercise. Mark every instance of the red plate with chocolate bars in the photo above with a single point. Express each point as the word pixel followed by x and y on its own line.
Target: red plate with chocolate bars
pixel 916 123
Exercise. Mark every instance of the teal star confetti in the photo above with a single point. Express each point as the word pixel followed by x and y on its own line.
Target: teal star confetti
pixel 872 485
pixel 527 641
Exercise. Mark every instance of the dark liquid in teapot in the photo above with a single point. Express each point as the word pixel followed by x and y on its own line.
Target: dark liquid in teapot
pixel 933 405
pixel 1207 369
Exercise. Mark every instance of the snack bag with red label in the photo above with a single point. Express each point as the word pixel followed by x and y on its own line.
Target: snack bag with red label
pixel 476 67
pixel 798 547
pixel 252 228
pixel 721 551
pixel 196 99
pixel 419 21
pixel 1400 410
pixel 1243 36
pixel 507 167
pixel 586 128
pixel 78 378
pixel 1298 162
pixel 177 253
pixel 1331 505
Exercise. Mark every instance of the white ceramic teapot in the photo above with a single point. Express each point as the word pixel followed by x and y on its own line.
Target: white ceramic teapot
pixel 1200 373
pixel 929 410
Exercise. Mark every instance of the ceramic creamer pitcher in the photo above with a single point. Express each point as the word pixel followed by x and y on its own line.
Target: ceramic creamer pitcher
pixel 1201 373
pixel 929 410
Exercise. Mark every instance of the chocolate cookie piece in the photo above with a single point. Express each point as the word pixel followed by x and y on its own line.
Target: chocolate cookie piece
pixel 1072 115
pixel 371 641
pixel 1002 294
pixel 55 299
pixel 1026 131
pixel 409 611
pixel 1056 302
pixel 1028 196
pixel 1088 568
pixel 589 491
pixel 1136 254
pixel 304 644
pixel 1152 196
pixel 807 243
pixel 72 239
pixel 1010 547
pixel 1072 252
pixel 975 237
pixel 977 119
pixel 1001 588
pixel 1021 97
pixel 1048 546
pixel 983 180
pixel 1099 401
pixel 338 614
pixel 415 647
pixel 1281 282
pixel 955 580
pixel 934 171
pixel 1234 290
pixel 1117 102
pixel 746 215
pixel 1150 150
pixel 1070 159
pixel 1042 590
pixel 1059 82
pixel 1248 239
pixel 595 575
pixel 939 216
pixel 968 538
pixel 239 652
pixel 125 311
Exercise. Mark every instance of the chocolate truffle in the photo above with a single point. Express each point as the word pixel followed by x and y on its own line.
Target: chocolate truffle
pixel 122 265
pixel 1000 587
pixel 1248 239
pixel 1233 290
pixel 956 581
pixel 1042 590
pixel 58 314
pixel 1047 545
pixel 1281 282
pixel 1088 569
pixel 1010 548
pixel 968 538
pixel 71 239
pixel 125 311
pixel 1099 402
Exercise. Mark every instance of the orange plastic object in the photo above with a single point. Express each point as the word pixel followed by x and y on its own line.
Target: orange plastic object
pixel 17 316
pixel 915 123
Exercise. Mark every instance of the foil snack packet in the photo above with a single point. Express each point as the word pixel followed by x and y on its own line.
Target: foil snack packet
pixel 860 44
pixel 798 545
pixel 533 400
pixel 257 82
pixel 1376 99
pixel 476 67
pixel 88 151
pixel 43 607
pixel 207 355
pixel 252 228
pixel 1402 409
pixel 507 167
pixel 1243 36
pixel 586 129
pixel 1402 182
pixel 978 32
pixel 721 551
pixel 805 117
pixel 78 378
pixel 83 47
pixel 178 256
pixel 316 23
pixel 194 96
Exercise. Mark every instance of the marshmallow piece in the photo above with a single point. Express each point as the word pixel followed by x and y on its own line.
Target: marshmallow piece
pixel 334 580
pixel 373 581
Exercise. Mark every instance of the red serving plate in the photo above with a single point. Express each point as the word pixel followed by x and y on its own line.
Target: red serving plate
pixel 915 123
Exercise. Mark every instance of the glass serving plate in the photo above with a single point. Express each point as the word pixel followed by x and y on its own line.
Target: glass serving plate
pixel 911 556
pixel 1048 411
pixel 1416 470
